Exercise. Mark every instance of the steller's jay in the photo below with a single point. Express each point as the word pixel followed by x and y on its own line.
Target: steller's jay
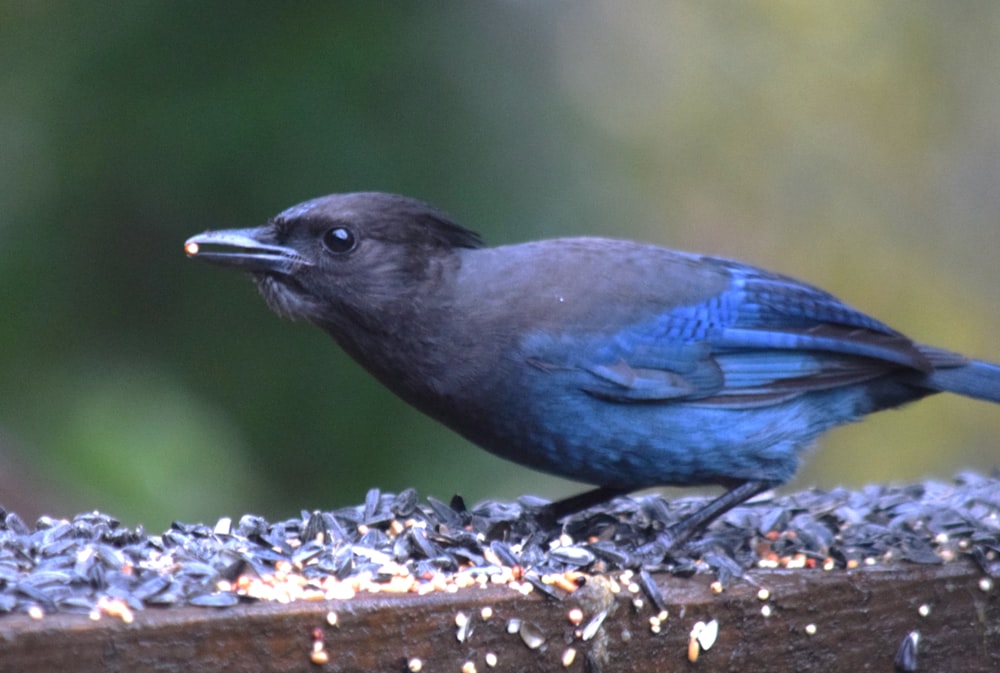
pixel 611 362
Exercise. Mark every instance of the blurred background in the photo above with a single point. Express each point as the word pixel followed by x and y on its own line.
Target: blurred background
pixel 855 145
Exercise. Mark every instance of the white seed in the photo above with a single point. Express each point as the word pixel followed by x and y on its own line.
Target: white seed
pixel 568 655
pixel 708 635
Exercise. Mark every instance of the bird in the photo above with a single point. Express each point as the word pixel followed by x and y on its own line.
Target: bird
pixel 618 364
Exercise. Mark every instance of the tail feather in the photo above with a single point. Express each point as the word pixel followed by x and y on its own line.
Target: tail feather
pixel 975 378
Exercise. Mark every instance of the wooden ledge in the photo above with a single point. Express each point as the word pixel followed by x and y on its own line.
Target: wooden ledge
pixel 858 619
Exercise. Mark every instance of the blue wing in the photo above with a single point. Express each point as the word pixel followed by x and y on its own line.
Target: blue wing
pixel 768 338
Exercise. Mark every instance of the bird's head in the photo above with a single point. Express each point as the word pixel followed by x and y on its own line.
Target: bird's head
pixel 340 256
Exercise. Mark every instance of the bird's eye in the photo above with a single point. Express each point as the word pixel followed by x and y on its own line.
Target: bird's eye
pixel 340 240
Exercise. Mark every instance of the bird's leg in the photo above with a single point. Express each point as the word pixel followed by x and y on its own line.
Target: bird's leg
pixel 681 531
pixel 554 511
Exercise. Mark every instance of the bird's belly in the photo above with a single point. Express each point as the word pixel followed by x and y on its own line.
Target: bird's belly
pixel 637 445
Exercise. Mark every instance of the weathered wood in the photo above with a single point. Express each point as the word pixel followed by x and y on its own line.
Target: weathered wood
pixel 860 618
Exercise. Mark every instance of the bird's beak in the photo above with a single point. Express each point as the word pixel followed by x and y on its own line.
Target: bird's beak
pixel 243 249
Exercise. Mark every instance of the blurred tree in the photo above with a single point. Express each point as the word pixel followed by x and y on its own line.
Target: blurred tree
pixel 854 145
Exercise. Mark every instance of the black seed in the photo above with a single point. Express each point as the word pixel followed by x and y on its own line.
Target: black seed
pixel 371 505
pixel 577 557
pixel 326 524
pixel 151 587
pixel 457 503
pixel 216 600
pixel 251 526
pixel 651 590
pixel 418 538
pixel 404 504
pixel 532 635
pixel 15 524
pixel 76 604
pixel 445 515
pixel 544 589
pixel 906 655
pixel 616 556
pixel 504 553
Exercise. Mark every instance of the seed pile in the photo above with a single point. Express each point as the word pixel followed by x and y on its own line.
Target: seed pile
pixel 394 542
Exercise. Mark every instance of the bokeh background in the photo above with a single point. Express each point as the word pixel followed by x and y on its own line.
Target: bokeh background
pixel 853 144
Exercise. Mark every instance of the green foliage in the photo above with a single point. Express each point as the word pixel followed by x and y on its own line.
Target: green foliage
pixel 854 145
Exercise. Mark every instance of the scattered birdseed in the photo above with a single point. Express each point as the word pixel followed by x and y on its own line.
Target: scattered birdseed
pixel 491 659
pixel 115 607
pixel 532 635
pixel 906 656
pixel 986 584
pixel 575 616
pixel 651 589
pixel 399 544
pixel 708 634
pixel 415 665
pixel 810 629
pixel 763 594
pixel 332 619
pixel 469 667
pixel 694 649
pixel 486 613
pixel 924 610
pixel 462 622
pixel 765 610
pixel 568 656
pixel 318 655
pixel 223 526
pixel 592 627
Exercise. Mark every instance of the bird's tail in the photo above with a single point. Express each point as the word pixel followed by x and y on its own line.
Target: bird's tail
pixel 974 378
